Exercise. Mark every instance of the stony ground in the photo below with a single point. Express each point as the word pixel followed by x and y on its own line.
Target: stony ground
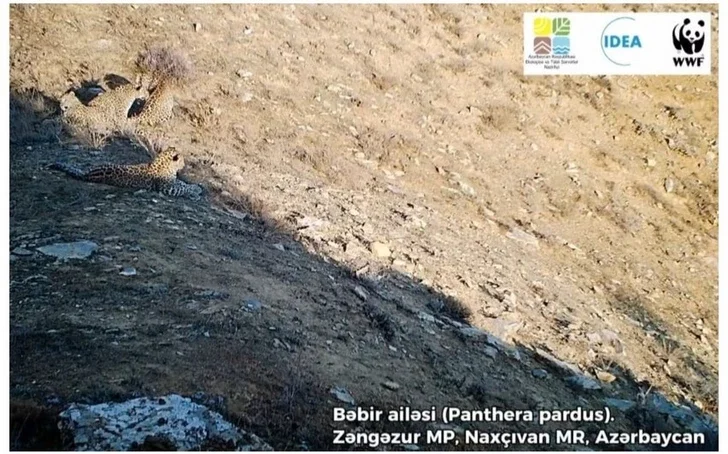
pixel 377 188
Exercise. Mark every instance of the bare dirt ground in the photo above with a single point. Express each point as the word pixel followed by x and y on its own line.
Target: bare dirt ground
pixel 570 215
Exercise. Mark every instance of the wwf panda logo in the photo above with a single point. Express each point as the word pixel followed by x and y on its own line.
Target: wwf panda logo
pixel 689 37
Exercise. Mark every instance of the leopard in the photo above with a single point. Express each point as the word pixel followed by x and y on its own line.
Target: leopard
pixel 158 107
pixel 107 111
pixel 167 72
pixel 158 175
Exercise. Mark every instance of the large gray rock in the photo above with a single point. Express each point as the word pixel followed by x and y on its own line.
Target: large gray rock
pixel 583 382
pixel 65 251
pixel 181 423
pixel 684 415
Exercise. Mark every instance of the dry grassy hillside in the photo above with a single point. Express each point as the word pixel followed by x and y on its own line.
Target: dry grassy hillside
pixel 397 149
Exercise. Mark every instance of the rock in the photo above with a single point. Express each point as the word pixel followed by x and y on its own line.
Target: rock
pixel 400 264
pixel 496 342
pixel 243 74
pixel 492 310
pixel 426 317
pixel 361 293
pixel 277 343
pixel 503 327
pixel 523 237
pixel 308 222
pixel 353 248
pixel 380 249
pixel 620 404
pixel 510 351
pixel 197 26
pixel 669 185
pixel 472 332
pixel 684 418
pixel 466 189
pixel 594 338
pixel 128 271
pixel 605 377
pixel 66 251
pixel 583 382
pixel 394 386
pixel 22 251
pixel 343 395
pixel 176 421
pixel 490 352
pixel 513 353
pixel 280 247
pixel 246 97
pixel 252 304
pixel 562 365
pixel 509 298
pixel 539 373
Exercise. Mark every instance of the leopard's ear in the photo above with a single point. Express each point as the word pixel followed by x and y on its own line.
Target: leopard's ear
pixel 173 151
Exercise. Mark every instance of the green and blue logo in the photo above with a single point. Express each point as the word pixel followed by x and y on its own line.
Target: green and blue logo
pixel 551 36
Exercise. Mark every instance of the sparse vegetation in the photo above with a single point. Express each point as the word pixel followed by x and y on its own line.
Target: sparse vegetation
pixel 33 117
pixel 162 62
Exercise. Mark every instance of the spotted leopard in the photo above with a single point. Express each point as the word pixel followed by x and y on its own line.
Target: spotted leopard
pixel 159 105
pixel 158 175
pixel 168 71
pixel 107 111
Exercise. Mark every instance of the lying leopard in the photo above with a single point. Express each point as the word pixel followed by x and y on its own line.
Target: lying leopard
pixel 106 112
pixel 158 175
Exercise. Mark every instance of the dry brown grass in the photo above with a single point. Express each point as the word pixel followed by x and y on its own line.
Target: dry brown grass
pixel 32 116
pixel 165 63
pixel 88 136
pixel 153 144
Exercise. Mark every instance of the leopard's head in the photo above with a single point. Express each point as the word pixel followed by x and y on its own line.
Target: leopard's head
pixel 169 162
pixel 68 101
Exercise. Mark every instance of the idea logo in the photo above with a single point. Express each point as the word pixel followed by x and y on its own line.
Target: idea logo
pixel 621 44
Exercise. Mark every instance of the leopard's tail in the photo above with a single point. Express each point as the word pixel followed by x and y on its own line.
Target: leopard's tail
pixel 69 169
